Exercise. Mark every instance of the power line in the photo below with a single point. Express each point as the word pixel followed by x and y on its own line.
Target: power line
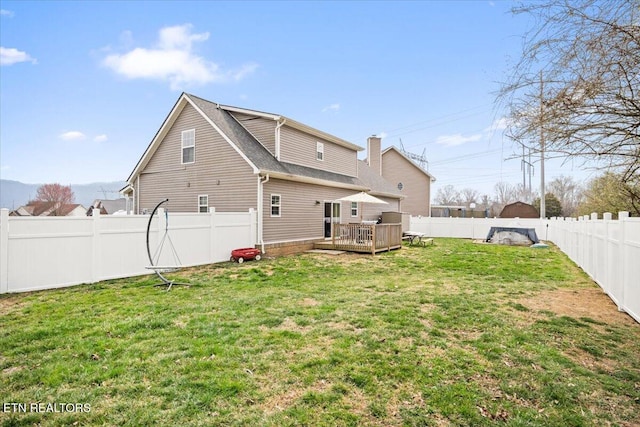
pixel 438 119
pixel 465 157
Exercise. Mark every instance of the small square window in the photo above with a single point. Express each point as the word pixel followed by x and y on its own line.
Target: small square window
pixel 354 208
pixel 188 146
pixel 319 151
pixel 275 205
pixel 203 204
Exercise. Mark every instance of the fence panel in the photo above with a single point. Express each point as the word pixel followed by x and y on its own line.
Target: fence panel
pixel 51 252
pixel 232 232
pixel 631 273
pixel 42 251
pixel 122 251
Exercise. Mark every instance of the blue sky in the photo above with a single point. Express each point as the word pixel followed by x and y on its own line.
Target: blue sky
pixel 84 86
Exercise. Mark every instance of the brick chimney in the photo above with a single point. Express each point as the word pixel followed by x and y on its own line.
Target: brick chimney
pixel 374 153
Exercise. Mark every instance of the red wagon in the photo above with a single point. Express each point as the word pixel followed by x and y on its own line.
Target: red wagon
pixel 243 254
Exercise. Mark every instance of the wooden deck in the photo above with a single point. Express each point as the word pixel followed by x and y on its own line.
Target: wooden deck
pixel 364 238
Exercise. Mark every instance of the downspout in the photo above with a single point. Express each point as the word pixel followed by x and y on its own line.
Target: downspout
pixel 136 196
pixel 261 183
pixel 278 126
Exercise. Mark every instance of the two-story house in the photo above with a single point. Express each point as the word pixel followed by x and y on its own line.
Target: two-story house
pixel 233 159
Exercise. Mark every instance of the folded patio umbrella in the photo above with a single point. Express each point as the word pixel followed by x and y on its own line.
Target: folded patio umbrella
pixel 362 197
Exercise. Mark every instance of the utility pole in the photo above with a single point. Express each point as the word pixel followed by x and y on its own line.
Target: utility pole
pixel 543 210
pixel 526 168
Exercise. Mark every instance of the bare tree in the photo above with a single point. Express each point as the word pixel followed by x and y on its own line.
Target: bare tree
pixel 447 196
pixel 505 193
pixel 56 195
pixel 577 85
pixel 468 196
pixel 523 194
pixel 568 192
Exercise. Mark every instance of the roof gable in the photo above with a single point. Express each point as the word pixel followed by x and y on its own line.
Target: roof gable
pixel 411 162
pixel 246 145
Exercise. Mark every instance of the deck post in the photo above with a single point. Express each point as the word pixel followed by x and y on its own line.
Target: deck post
pixel 333 234
pixel 388 238
pixel 373 239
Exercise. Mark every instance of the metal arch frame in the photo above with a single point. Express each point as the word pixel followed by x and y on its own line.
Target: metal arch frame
pixel 155 268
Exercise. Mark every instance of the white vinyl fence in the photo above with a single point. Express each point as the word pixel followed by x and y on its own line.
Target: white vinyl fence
pixel 50 252
pixel 607 250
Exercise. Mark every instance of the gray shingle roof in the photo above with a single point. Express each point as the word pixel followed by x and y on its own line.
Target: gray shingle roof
pixel 250 147
pixel 262 158
pixel 257 153
pixel 375 182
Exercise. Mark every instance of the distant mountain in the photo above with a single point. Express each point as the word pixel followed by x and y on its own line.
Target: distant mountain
pixel 14 194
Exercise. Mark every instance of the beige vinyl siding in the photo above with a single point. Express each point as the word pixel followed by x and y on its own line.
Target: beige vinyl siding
pixel 300 148
pixel 301 218
pixel 218 171
pixel 371 212
pixel 416 185
pixel 264 130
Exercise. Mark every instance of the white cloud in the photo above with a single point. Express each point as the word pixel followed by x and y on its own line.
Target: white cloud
pixel 173 60
pixel 244 71
pixel 500 124
pixel 10 56
pixel 333 107
pixel 382 135
pixel 100 138
pixel 73 135
pixel 7 13
pixel 457 139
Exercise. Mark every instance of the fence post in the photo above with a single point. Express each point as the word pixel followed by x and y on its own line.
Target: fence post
pixel 254 226
pixel 214 234
pixel 4 253
pixel 96 246
pixel 622 217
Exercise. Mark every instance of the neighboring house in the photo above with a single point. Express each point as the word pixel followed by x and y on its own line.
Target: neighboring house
pixel 519 210
pixel 108 207
pixel 411 180
pixel 206 155
pixel 49 209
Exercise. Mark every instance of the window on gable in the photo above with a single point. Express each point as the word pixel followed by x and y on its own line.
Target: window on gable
pixel 188 146
pixel 319 151
pixel 354 208
pixel 275 205
pixel 203 203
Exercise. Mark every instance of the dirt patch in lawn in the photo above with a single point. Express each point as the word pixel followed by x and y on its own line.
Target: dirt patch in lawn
pixel 590 303
pixel 8 304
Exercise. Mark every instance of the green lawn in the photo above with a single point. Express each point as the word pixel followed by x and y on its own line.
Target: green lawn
pixel 451 334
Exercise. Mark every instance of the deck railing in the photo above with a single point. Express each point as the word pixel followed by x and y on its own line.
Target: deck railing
pixel 367 238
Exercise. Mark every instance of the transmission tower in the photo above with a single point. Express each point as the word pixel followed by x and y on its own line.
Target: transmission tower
pixel 420 159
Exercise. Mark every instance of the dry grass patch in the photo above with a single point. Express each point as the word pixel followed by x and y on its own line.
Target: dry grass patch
pixel 589 302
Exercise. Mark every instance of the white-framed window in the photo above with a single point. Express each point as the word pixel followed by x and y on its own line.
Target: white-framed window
pixel 319 151
pixel 354 209
pixel 276 205
pixel 188 146
pixel 203 203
